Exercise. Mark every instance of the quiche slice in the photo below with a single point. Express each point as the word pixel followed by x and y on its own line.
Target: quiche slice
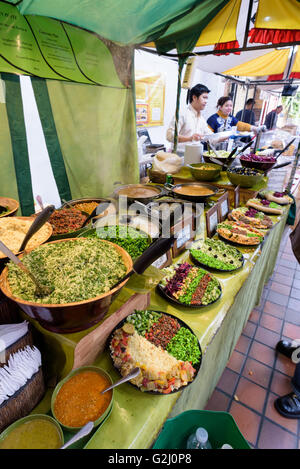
pixel 251 217
pixel 264 205
pixel 240 233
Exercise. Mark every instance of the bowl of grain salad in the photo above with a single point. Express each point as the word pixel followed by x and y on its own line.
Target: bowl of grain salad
pixel 81 273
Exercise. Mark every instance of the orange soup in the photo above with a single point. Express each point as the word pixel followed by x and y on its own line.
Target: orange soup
pixel 138 192
pixel 193 190
pixel 79 400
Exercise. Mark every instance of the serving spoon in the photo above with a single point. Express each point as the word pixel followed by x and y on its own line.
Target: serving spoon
pixel 41 290
pixel 84 431
pixel 38 222
pixel 133 373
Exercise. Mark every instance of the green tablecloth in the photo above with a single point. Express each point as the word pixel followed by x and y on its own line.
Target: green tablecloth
pixel 137 417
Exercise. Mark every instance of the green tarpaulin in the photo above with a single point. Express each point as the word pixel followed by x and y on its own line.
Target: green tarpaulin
pixel 178 23
pixel 96 131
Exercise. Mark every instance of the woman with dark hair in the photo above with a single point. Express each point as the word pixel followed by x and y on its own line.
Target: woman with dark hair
pixel 191 124
pixel 223 120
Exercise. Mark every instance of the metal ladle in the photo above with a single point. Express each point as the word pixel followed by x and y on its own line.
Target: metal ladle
pixel 41 290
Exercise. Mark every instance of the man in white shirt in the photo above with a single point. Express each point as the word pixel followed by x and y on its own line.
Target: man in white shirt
pixel 191 125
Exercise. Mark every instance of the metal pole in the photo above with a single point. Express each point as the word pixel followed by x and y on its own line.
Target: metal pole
pixel 248 23
pixel 181 63
pixel 228 51
pixel 246 97
pixel 292 175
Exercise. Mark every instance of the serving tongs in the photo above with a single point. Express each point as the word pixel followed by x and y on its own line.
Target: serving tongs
pixel 39 221
pixel 41 290
pixel 277 154
pixel 230 156
pixel 101 208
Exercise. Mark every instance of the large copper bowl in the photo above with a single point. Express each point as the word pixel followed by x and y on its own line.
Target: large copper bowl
pixel 68 317
pixel 11 204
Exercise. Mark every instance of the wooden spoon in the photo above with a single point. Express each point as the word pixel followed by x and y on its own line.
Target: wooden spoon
pixel 39 221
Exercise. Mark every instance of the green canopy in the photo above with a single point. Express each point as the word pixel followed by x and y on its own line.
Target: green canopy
pixel 170 24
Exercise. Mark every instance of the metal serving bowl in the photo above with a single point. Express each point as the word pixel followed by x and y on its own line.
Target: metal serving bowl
pixel 68 317
pixel 11 204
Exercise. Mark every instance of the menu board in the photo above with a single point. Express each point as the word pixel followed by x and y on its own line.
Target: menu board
pixel 47 48
pixel 150 98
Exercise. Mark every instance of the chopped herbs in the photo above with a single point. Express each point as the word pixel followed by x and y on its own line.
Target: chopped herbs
pixel 165 331
pixel 78 270
pixel 143 320
pixel 184 346
pixel 134 241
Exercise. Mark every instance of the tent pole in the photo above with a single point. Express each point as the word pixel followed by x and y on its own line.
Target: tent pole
pixel 295 163
pixel 228 51
pixel 248 23
pixel 258 82
pixel 246 97
pixel 181 63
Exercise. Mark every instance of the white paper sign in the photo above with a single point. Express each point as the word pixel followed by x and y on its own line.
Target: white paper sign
pixel 183 236
pixel 156 114
pixel 213 221
pixel 224 208
pixel 160 261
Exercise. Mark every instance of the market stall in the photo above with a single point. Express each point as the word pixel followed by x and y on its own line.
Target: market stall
pixel 75 320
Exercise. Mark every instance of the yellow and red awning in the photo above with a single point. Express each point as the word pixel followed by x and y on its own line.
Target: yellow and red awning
pixel 273 21
pixel 273 64
pixel 276 21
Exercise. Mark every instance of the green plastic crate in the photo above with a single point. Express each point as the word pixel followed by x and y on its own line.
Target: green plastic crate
pixel 220 426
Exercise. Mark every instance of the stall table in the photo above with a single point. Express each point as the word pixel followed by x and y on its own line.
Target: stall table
pixel 137 417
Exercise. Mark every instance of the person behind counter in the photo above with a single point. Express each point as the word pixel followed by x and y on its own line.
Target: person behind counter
pixel 247 114
pixel 271 118
pixel 223 121
pixel 191 124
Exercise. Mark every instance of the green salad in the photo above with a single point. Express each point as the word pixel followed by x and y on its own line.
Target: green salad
pixel 217 255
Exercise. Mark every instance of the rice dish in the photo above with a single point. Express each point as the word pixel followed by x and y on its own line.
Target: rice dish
pixel 13 231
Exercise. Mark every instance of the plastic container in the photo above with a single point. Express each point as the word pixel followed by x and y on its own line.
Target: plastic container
pixel 220 426
pixel 198 440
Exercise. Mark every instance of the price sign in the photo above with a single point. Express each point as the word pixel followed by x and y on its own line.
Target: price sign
pixel 237 197
pixel 212 220
pixel 223 206
pixel 160 261
pixel 183 236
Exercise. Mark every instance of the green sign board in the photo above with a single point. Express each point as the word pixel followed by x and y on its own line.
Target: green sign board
pixel 48 48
